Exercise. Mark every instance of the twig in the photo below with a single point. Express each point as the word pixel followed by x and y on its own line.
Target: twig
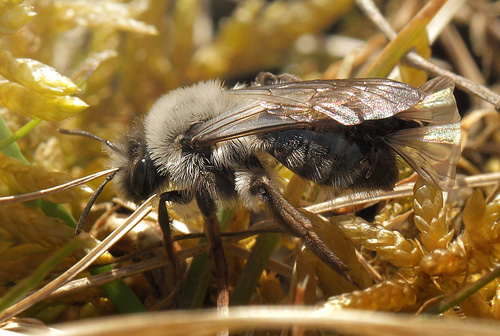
pixel 158 261
pixel 403 190
pixel 49 191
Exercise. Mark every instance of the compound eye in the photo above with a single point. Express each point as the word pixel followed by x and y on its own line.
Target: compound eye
pixel 139 178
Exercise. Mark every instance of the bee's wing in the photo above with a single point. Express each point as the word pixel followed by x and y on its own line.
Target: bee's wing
pixel 348 101
pixel 248 118
pixel 432 151
pixel 438 106
pixel 294 105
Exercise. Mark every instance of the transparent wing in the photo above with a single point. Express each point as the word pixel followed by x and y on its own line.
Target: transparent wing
pixel 348 101
pixel 432 151
pixel 249 118
pixel 296 104
pixel 438 106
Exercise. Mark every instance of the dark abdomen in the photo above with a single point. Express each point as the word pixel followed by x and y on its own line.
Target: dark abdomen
pixel 335 158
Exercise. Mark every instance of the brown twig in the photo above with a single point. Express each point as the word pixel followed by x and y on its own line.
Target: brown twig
pixel 403 190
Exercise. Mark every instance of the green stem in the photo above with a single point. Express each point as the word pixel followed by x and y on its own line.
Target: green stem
pixel 464 292
pixel 250 275
pixel 120 294
pixel 22 288
pixel 12 149
pixel 19 133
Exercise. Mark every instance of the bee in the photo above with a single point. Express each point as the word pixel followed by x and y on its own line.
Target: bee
pixel 211 145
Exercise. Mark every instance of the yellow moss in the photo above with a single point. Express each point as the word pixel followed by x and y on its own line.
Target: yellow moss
pixel 476 305
pixel 391 245
pixel 21 266
pixel 495 304
pixel 481 226
pixel 391 211
pixel 18 98
pixel 331 282
pixel 270 288
pixel 14 16
pixel 256 27
pixel 35 76
pixel 451 261
pixel 31 225
pixel 101 14
pixel 390 295
pixel 430 216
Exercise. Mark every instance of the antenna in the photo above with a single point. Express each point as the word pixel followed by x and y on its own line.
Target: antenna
pixel 91 136
pixel 91 202
pixel 98 191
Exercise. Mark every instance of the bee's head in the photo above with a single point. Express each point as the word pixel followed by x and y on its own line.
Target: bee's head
pixel 138 177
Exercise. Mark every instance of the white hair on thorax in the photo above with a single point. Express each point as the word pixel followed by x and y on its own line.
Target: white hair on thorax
pixel 175 112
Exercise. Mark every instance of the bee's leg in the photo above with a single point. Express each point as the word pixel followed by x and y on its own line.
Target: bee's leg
pixel 297 224
pixel 175 196
pixel 216 250
pixel 267 78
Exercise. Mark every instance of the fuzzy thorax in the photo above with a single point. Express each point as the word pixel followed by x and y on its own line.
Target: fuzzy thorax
pixel 172 116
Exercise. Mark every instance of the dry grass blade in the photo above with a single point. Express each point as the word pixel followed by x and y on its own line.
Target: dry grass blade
pixel 443 18
pixel 156 262
pixel 407 38
pixel 403 190
pixel 49 191
pixel 198 323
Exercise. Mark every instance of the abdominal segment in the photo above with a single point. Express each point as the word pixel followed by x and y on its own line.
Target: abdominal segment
pixel 336 159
